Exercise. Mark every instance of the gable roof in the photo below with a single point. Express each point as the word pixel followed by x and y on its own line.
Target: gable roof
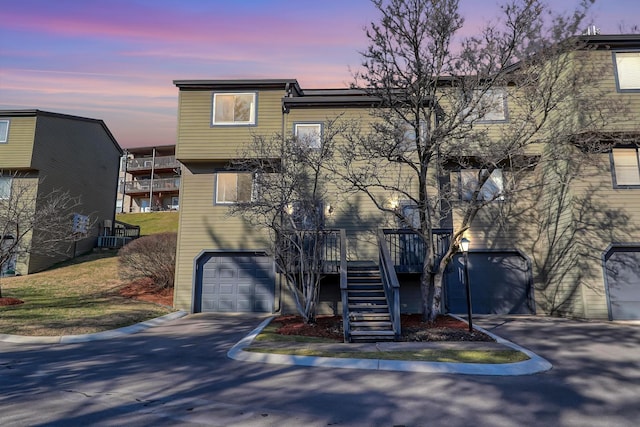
pixel 36 113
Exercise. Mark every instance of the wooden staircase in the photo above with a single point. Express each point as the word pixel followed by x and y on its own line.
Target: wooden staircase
pixel 369 316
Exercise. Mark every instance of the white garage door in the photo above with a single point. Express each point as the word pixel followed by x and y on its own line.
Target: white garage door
pixel 234 282
pixel 622 267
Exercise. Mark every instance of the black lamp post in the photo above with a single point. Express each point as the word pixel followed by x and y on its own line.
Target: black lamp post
pixel 464 245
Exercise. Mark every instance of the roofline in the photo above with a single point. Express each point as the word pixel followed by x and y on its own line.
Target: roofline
pixel 36 113
pixel 239 84
pixel 608 41
pixel 149 148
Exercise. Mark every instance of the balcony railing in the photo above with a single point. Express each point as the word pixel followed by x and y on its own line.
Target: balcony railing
pixel 160 184
pixel 407 249
pixel 147 163
pixel 301 245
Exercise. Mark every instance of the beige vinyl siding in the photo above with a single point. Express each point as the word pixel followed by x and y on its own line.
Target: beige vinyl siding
pixel 198 140
pixel 204 225
pixel 16 152
pixel 617 212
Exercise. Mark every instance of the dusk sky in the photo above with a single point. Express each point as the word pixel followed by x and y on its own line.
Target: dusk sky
pixel 116 60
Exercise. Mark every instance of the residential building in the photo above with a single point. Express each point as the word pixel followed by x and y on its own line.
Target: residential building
pixel 42 152
pixel 149 180
pixel 540 262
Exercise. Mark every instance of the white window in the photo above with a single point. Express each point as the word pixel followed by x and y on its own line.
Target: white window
pixel 626 166
pixel 492 189
pixel 233 187
pixel 234 108
pixel 4 131
pixel 627 66
pixel 490 106
pixel 309 134
pixel 5 187
pixel 405 138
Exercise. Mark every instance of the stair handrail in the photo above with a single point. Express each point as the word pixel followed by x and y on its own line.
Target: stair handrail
pixel 343 286
pixel 390 282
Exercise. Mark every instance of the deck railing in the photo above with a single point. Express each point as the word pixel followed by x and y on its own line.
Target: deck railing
pixel 390 282
pixel 327 244
pixel 121 234
pixel 144 163
pixel 344 294
pixel 159 184
pixel 407 250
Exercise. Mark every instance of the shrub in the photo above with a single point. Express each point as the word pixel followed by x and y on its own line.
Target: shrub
pixel 151 256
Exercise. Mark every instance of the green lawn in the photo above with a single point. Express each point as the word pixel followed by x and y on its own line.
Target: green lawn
pixel 151 222
pixel 76 297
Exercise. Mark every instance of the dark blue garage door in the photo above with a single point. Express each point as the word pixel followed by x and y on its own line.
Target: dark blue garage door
pixel 622 267
pixel 234 282
pixel 500 284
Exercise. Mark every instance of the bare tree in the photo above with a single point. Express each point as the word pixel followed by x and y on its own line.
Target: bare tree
pixel 443 140
pixel 290 177
pixel 31 225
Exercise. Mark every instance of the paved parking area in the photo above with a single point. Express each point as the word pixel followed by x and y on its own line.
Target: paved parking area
pixel 178 374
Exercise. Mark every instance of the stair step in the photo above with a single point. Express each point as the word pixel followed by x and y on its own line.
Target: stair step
pixel 366 299
pixel 366 324
pixel 369 316
pixel 373 333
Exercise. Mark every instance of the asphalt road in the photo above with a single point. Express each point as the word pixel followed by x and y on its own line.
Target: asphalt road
pixel 178 374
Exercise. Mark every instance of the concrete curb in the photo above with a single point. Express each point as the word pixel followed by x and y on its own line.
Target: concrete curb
pixel 72 339
pixel 534 365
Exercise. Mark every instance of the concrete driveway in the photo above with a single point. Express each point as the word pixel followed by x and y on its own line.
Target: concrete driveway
pixel 178 374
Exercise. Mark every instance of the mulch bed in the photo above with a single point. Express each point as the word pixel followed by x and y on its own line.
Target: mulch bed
pixel 445 328
pixel 146 290
pixel 10 301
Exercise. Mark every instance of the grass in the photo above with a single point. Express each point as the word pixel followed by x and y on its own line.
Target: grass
pixel 151 222
pixel 429 355
pixel 269 335
pixel 75 297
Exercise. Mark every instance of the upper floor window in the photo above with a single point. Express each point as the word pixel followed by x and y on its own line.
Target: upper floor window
pixel 309 134
pixel 627 69
pixel 626 167
pixel 5 187
pixel 234 109
pixel 4 131
pixel 492 189
pixel 488 106
pixel 234 187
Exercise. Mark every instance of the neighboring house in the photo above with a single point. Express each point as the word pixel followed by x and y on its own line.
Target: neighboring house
pixel 149 180
pixel 47 152
pixel 223 264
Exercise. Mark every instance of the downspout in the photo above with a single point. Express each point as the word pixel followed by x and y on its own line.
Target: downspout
pixel 124 180
pixel 153 164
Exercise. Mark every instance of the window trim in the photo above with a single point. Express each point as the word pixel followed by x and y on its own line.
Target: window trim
pixel 10 180
pixel 616 71
pixel 500 197
pixel 614 177
pixel 253 114
pixel 473 117
pixel 321 131
pixel 227 203
pixel 6 135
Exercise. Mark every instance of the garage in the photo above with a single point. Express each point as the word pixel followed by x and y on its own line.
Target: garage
pixel 622 276
pixel 234 282
pixel 501 283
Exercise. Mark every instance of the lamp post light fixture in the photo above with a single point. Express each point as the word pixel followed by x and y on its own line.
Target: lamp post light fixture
pixel 464 245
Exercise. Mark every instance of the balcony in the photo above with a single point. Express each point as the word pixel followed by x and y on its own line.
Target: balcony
pixel 144 185
pixel 147 163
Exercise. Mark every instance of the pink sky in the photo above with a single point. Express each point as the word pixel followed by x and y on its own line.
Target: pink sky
pixel 115 60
